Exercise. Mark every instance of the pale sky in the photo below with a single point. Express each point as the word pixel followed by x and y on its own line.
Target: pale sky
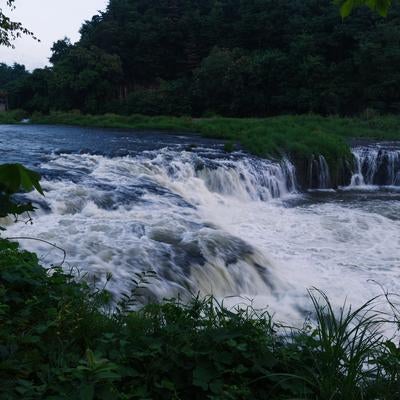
pixel 50 20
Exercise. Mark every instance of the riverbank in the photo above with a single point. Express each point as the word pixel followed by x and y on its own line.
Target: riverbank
pixel 298 137
pixel 62 340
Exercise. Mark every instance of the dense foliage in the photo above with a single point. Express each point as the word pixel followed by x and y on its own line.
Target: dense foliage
pixel 58 341
pixel 230 57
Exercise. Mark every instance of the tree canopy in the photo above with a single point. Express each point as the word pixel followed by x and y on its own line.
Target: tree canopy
pixel 230 57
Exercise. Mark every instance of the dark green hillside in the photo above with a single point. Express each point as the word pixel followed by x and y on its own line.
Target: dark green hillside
pixel 229 57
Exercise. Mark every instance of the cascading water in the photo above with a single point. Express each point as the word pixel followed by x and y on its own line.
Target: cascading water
pixel 376 165
pixel 320 177
pixel 140 213
pixel 250 179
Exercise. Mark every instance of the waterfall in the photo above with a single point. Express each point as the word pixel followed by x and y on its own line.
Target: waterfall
pixel 376 165
pixel 250 178
pixel 156 211
pixel 207 221
pixel 324 175
pixel 320 177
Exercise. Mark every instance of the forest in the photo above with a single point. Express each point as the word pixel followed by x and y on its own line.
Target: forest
pixel 225 57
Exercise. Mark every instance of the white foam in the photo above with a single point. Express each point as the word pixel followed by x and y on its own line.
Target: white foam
pixel 215 225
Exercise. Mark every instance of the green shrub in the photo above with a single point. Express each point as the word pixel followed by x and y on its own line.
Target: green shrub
pixel 12 117
pixel 59 340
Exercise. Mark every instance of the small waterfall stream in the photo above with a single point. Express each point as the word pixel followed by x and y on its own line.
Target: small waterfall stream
pixel 320 177
pixel 377 165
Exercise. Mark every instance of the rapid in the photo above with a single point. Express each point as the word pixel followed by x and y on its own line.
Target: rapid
pixel 207 221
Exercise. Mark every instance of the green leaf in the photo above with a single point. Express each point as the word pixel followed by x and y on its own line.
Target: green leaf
pixel 10 206
pixel 346 8
pixel 91 359
pixel 14 177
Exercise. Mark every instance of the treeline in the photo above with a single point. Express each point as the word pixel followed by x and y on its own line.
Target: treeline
pixel 229 57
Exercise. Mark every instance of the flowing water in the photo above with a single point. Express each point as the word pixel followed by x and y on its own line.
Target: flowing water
pixel 207 221
pixel 377 164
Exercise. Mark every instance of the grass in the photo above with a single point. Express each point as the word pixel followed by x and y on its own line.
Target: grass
pixel 298 137
pixel 59 339
pixel 12 117
pixel 273 137
pixel 139 122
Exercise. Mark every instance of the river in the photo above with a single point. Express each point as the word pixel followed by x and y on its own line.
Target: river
pixel 207 221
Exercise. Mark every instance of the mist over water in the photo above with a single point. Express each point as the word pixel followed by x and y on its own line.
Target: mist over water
pixel 207 221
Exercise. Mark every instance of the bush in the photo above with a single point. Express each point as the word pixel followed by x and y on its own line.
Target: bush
pixel 12 117
pixel 59 340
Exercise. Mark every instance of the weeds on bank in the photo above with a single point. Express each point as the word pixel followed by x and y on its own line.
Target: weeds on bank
pixel 296 136
pixel 57 341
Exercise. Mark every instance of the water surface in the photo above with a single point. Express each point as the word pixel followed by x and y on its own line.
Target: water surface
pixel 204 220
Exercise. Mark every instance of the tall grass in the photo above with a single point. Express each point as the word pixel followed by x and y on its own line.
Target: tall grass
pixel 298 137
pixel 348 343
pixel 60 340
pixel 266 138
pixel 138 122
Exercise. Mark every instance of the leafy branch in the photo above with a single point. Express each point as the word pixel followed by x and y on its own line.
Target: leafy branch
pixel 11 30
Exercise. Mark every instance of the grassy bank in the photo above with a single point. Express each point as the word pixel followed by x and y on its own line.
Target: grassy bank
pixel 269 137
pixel 58 341
pixel 12 117
pixel 302 134
pixel 296 136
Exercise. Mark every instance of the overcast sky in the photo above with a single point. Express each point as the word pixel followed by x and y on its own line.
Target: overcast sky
pixel 50 20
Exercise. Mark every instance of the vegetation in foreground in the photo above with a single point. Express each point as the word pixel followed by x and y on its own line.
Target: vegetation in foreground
pixel 59 340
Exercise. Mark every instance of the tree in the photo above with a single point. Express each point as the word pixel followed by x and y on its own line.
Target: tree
pixel 60 49
pixel 10 30
pixel 33 91
pixel 156 56
pixel 86 78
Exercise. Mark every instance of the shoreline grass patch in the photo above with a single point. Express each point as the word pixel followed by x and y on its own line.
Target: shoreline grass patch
pixel 299 137
pixel 273 129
